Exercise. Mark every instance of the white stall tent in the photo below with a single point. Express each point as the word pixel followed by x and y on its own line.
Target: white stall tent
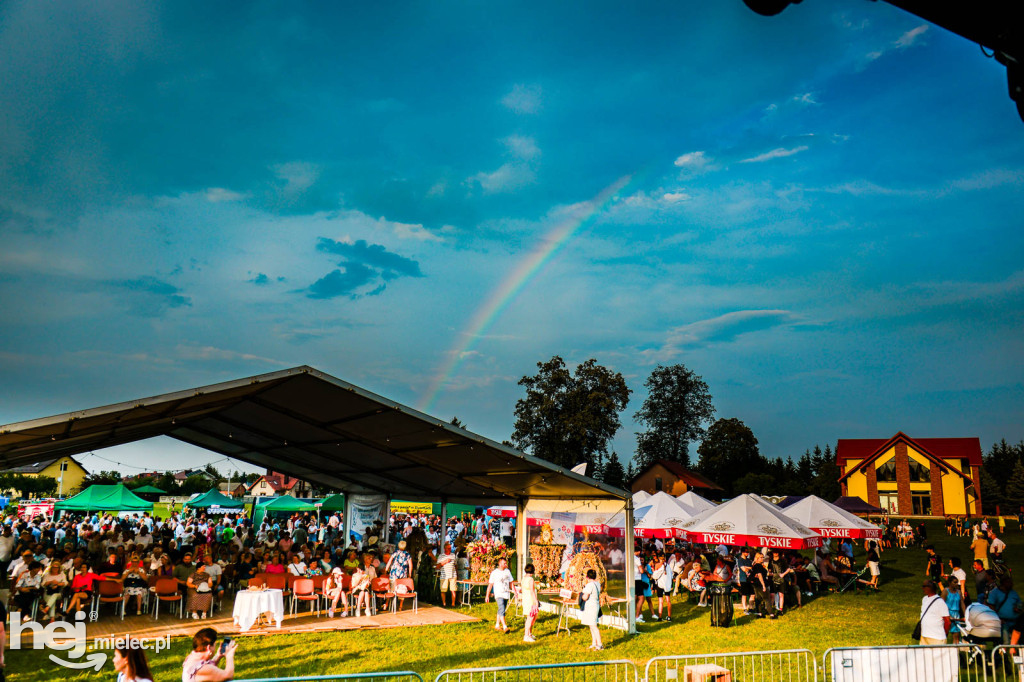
pixel 830 521
pixel 699 505
pixel 749 520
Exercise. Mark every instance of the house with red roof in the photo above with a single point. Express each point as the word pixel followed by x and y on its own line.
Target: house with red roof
pixel 272 484
pixel 913 476
pixel 674 479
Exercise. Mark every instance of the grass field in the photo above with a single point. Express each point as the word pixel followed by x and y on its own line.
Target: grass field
pixel 826 621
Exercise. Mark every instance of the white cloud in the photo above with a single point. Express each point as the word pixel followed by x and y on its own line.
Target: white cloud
pixel 410 231
pixel 522 147
pixel 692 160
pixel 779 153
pixel 721 329
pixel 908 39
pixel 298 176
pixel 675 197
pixel 509 177
pixel 807 99
pixel 911 36
pixel 216 195
pixel 220 354
pixel 523 99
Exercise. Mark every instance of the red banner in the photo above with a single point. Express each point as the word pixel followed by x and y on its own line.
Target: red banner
pixel 852 533
pixel 769 541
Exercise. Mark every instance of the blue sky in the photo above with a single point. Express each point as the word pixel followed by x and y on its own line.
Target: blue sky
pixel 822 214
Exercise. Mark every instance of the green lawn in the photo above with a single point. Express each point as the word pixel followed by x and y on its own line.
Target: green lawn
pixel 826 621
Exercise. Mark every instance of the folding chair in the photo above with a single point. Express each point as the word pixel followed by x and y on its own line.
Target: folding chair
pixel 109 592
pixel 398 595
pixel 303 590
pixel 166 590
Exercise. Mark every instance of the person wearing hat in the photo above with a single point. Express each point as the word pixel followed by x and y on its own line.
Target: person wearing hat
pixel 334 589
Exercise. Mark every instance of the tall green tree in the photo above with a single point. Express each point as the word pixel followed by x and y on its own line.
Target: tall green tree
pixel 729 452
pixel 569 417
pixel 102 478
pixel 1014 495
pixel 613 473
pixel 825 483
pixel 675 412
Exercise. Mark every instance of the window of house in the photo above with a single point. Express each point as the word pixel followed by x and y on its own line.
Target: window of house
pixel 889 501
pixel 657 483
pixel 922 504
pixel 919 473
pixel 887 472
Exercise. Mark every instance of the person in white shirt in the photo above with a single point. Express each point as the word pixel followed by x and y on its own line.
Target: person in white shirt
pixel 995 546
pixel 935 621
pixel 297 567
pixel 446 566
pixel 500 582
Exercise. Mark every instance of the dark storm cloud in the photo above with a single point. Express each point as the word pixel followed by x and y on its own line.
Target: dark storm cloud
pixel 148 296
pixel 362 264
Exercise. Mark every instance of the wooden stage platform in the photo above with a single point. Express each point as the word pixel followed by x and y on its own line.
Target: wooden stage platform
pixel 111 625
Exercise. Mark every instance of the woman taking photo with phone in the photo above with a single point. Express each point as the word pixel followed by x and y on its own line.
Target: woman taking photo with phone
pixel 202 664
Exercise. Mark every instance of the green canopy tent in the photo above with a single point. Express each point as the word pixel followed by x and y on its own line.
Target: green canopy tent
pixel 214 501
pixel 149 490
pixel 286 504
pixel 334 503
pixel 104 498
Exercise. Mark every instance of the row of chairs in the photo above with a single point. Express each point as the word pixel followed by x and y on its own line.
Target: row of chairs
pixel 311 591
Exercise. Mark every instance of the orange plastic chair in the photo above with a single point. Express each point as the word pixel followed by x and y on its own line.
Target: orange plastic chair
pixel 381 588
pixel 258 580
pixel 303 590
pixel 402 596
pixel 166 590
pixel 110 592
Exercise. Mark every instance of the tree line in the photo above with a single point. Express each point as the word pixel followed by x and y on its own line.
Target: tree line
pixel 1002 478
pixel 570 417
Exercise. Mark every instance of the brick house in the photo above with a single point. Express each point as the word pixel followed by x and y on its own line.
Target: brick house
pixel 907 476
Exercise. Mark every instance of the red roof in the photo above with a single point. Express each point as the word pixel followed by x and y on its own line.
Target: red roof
pixel 690 478
pixel 277 482
pixel 942 448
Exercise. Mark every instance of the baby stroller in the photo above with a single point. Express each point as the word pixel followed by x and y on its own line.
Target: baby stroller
pixel 852 579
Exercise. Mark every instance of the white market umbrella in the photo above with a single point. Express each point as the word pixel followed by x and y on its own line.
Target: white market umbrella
pixel 640 497
pixel 698 504
pixel 749 520
pixel 661 516
pixel 830 521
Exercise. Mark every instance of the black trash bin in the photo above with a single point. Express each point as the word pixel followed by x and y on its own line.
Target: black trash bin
pixel 720 598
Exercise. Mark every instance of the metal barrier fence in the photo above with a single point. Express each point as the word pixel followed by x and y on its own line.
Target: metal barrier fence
pixel 1007 664
pixel 790 665
pixel 595 671
pixel 398 676
pixel 919 663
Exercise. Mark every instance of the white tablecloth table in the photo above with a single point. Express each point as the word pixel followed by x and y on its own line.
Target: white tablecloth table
pixel 250 605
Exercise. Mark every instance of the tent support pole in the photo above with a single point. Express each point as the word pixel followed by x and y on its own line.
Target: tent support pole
pixel 346 521
pixel 630 568
pixel 443 535
pixel 521 538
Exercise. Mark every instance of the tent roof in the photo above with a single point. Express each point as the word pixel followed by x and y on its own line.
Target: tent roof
pixel 693 501
pixel 213 498
pixel 287 503
pixel 749 520
pixel 856 505
pixel 828 520
pixel 105 498
pixel 152 489
pixel 333 503
pixel 310 425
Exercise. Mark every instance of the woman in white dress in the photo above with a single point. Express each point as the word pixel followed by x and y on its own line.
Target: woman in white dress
pixel 591 597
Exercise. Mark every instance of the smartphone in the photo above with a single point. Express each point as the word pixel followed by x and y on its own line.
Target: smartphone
pixel 224 645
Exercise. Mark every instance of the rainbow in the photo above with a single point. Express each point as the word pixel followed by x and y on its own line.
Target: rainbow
pixel 516 280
